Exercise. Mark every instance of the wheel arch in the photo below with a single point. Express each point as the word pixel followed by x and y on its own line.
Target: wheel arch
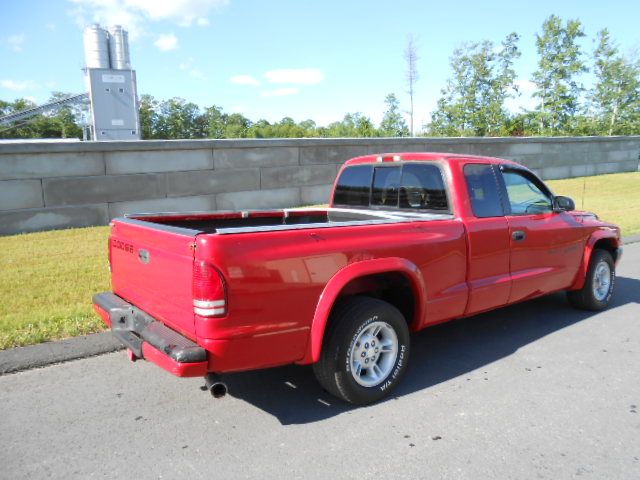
pixel 600 240
pixel 362 278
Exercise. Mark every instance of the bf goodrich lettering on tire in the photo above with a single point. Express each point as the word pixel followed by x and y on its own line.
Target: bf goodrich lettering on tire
pixel 366 350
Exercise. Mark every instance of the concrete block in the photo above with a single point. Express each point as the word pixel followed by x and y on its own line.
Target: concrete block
pixel 619 155
pixel 16 194
pixel 525 148
pixel 608 167
pixel 398 148
pixel 212 181
pixel 203 203
pixel 602 145
pixel 158 161
pixel 630 166
pixel 565 148
pixel 296 176
pixel 254 157
pixel 331 154
pixel 567 158
pixel 38 219
pixel 553 173
pixel 489 149
pixel 447 147
pixel 260 199
pixel 102 189
pixel 316 194
pixel 582 170
pixel 43 165
pixel 529 161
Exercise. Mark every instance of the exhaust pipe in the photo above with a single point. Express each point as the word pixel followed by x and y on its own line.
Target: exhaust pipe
pixel 215 385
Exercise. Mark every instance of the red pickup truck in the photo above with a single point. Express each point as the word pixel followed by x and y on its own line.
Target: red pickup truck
pixel 409 240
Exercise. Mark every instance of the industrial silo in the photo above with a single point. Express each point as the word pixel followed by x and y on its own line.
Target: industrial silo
pixel 96 47
pixel 119 48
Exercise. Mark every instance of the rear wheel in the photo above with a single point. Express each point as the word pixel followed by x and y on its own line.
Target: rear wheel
pixel 365 351
pixel 598 286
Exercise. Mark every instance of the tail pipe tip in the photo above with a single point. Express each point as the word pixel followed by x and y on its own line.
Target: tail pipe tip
pixel 215 385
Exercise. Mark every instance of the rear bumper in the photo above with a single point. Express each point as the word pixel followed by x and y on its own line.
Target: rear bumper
pixel 149 339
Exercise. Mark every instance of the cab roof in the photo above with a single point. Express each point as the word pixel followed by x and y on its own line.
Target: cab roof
pixel 425 157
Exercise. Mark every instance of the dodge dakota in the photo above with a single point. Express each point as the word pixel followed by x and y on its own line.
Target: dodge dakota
pixel 409 240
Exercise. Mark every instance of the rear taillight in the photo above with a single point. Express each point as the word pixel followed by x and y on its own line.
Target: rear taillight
pixel 209 298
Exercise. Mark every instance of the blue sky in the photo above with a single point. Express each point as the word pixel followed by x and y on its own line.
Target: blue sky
pixel 270 59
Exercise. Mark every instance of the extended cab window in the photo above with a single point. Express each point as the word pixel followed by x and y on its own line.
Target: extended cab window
pixel 483 190
pixel 527 195
pixel 354 186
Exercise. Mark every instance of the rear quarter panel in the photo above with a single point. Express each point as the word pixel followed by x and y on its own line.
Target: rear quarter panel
pixel 275 279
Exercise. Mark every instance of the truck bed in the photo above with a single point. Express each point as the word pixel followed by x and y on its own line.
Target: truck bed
pixel 273 220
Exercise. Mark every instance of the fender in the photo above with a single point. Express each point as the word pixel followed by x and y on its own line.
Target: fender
pixel 335 285
pixel 596 236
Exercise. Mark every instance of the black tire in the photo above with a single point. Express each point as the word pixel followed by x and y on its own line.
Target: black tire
pixel 352 320
pixel 590 296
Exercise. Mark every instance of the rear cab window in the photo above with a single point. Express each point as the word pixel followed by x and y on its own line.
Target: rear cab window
pixel 408 186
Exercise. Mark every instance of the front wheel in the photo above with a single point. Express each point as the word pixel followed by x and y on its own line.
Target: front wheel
pixel 365 351
pixel 598 286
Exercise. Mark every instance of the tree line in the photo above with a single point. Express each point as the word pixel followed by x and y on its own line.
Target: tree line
pixel 473 101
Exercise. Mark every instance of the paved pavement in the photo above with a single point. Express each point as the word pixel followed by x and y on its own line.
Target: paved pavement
pixel 536 390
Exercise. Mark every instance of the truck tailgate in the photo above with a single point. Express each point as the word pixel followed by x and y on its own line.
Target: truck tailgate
pixel 152 268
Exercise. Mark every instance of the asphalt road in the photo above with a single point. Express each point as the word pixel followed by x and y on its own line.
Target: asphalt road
pixel 537 390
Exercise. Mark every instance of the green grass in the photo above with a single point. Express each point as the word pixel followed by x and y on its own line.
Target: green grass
pixel 614 198
pixel 46 283
pixel 47 279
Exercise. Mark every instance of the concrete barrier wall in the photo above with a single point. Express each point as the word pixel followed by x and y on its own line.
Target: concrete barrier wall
pixel 58 185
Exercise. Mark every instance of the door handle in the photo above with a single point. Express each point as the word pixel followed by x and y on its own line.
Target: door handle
pixel 518 235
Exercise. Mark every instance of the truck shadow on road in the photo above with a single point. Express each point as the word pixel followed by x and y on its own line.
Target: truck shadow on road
pixel 438 354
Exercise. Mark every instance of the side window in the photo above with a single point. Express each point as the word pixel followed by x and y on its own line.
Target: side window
pixel 354 186
pixel 526 196
pixel 483 190
pixel 386 184
pixel 423 188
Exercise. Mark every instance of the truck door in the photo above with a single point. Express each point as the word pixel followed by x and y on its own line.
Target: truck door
pixel 488 236
pixel 546 246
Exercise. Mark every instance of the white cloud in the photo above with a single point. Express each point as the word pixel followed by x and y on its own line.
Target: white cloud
pixel 244 80
pixel 15 42
pixel 133 14
pixel 19 86
pixel 166 42
pixel 280 92
pixel 301 76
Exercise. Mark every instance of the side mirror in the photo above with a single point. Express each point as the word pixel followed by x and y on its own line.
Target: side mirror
pixel 563 204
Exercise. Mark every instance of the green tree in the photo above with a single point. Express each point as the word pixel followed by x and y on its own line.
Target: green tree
pixel 237 126
pixel 559 64
pixel 393 124
pixel 148 115
pixel 615 97
pixel 178 118
pixel 472 102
